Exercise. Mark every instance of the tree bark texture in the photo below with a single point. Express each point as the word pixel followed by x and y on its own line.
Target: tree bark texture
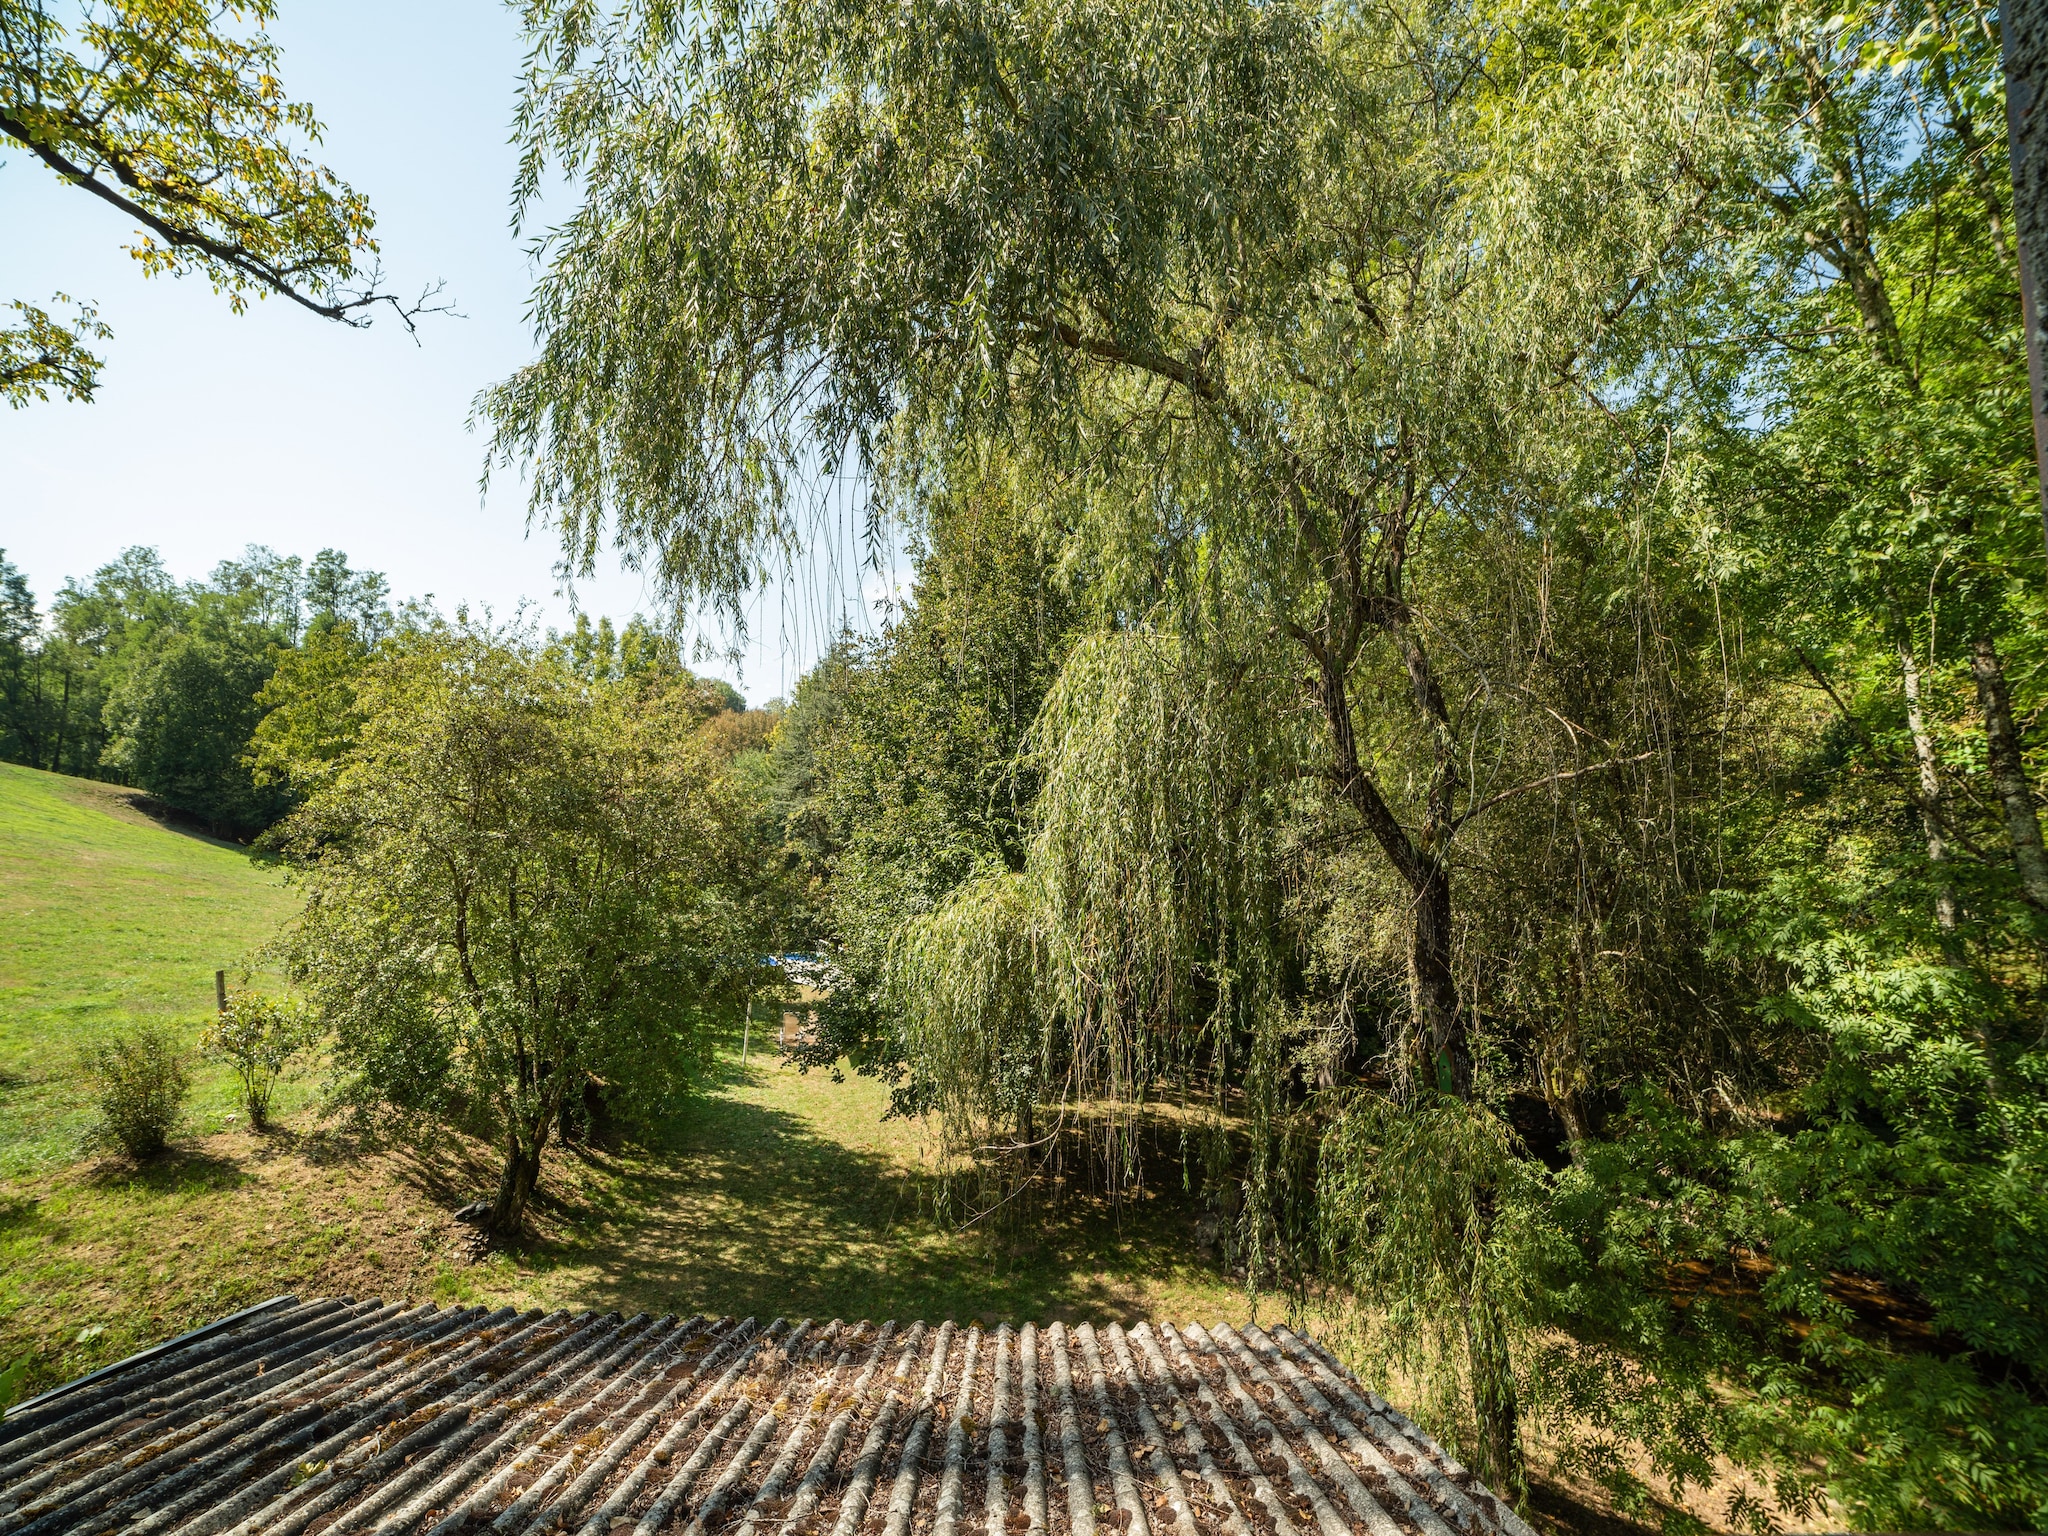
pixel 1928 787
pixel 2023 38
pixel 1432 985
pixel 1435 985
pixel 521 1176
pixel 2008 772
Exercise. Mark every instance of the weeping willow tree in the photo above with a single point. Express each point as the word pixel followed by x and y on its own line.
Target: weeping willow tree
pixel 1199 909
pixel 1309 320
pixel 1143 942
pixel 1341 279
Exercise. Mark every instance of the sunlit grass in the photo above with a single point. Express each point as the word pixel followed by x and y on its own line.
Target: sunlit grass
pixel 790 1192
pixel 772 1194
pixel 106 920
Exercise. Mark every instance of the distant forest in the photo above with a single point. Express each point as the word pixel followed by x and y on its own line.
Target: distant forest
pixel 140 679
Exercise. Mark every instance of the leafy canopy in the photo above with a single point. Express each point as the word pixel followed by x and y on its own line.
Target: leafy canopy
pixel 518 882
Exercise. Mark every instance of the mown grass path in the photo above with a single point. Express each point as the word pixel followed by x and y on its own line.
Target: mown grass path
pixel 788 1190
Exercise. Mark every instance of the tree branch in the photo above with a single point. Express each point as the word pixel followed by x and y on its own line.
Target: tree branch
pixel 1551 778
pixel 344 308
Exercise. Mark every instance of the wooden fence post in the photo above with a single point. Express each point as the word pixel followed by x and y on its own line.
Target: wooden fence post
pixel 220 991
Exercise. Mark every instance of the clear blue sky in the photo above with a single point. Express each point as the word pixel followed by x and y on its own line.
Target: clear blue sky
pixel 213 431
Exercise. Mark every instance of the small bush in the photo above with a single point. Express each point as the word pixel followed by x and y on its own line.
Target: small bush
pixel 258 1036
pixel 140 1081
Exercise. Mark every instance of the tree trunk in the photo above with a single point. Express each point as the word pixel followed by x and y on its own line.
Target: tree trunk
pixel 2023 41
pixel 521 1176
pixel 1434 987
pixel 63 724
pixel 1928 795
pixel 1423 865
pixel 1422 862
pixel 2008 772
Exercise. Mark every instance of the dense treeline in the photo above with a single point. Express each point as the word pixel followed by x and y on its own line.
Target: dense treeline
pixel 145 680
pixel 204 694
pixel 1480 614
pixel 896 771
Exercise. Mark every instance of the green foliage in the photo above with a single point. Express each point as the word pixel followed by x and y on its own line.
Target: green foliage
pixel 139 1082
pixel 1424 1208
pixel 258 1036
pixel 18 633
pixel 10 1382
pixel 66 669
pixel 895 769
pixel 600 653
pixel 182 718
pixel 332 594
pixel 1144 903
pixel 171 111
pixel 969 979
pixel 519 882
pixel 1545 495
pixel 41 353
pixel 309 718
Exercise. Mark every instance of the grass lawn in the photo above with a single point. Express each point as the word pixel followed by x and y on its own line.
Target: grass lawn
pixel 106 919
pixel 788 1191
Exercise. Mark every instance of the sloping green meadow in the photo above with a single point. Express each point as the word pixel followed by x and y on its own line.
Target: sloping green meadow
pixel 108 919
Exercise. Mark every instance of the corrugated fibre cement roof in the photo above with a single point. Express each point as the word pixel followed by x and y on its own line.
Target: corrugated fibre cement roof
pixel 362 1418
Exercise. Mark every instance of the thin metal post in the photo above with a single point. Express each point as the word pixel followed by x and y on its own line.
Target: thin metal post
pixel 747 1034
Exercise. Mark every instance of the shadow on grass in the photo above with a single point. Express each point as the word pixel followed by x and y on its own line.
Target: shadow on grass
pixel 1556 1510
pixel 743 1209
pixel 183 1169
pixel 453 1170
pixel 185 824
pixel 17 1211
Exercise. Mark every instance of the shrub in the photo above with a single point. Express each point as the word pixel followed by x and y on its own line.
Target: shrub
pixel 518 879
pixel 140 1081
pixel 258 1036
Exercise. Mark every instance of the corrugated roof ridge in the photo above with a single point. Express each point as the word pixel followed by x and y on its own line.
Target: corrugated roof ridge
pixel 347 1418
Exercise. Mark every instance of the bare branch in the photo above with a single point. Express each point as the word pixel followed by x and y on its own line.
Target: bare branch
pixel 1551 778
